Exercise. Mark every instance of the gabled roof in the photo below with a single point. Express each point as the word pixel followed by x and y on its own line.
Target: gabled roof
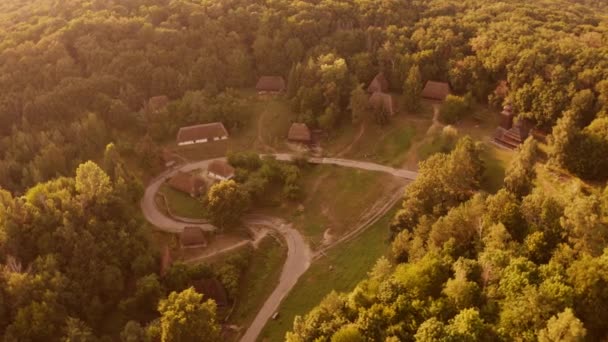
pixel 221 168
pixel 382 100
pixel 270 83
pixel 204 131
pixel 188 183
pixel 379 83
pixel 299 132
pixel 192 236
pixel 436 90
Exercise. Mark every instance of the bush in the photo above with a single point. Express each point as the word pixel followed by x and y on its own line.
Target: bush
pixel 453 109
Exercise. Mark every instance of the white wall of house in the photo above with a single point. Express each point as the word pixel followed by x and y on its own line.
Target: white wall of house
pixel 202 141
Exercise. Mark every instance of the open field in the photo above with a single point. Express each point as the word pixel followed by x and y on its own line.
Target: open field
pixel 340 270
pixel 334 199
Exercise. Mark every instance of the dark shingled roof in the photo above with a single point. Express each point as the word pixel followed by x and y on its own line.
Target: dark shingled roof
pixel 382 100
pixel 270 83
pixel 185 182
pixel 213 289
pixel 299 132
pixel 221 168
pixel 379 83
pixel 192 237
pixel 204 131
pixel 436 90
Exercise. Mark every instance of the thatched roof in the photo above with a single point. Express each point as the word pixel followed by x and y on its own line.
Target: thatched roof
pixel 213 289
pixel 436 90
pixel 221 168
pixel 270 83
pixel 204 131
pixel 299 132
pixel 192 237
pixel 379 83
pixel 383 101
pixel 188 183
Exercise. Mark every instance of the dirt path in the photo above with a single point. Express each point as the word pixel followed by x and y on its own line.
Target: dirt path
pixel 354 142
pixel 299 254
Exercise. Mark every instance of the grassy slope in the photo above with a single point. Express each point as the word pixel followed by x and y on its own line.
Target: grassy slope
pixel 334 198
pixel 259 280
pixel 182 204
pixel 349 264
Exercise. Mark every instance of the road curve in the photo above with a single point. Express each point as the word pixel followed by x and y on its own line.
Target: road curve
pixel 299 254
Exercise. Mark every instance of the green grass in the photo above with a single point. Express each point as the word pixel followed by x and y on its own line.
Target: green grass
pixel 337 202
pixel 182 204
pixel 349 264
pixel 259 280
pixel 391 150
pixel 496 161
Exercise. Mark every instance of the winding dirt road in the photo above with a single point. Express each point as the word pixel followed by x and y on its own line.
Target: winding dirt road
pixel 299 254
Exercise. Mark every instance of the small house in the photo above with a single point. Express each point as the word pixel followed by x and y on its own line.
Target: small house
pixel 200 134
pixel 156 104
pixel 192 237
pixel 299 133
pixel 436 91
pixel 382 101
pixel 187 183
pixel 378 84
pixel 270 84
pixel 213 289
pixel 220 170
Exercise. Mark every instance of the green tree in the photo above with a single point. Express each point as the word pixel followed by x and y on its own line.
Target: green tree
pixel 564 327
pixel 358 104
pixel 453 109
pixel 226 202
pixel 520 174
pixel 348 333
pixel 78 331
pixel 186 317
pixel 92 183
pixel 133 332
pixel 563 139
pixel 412 89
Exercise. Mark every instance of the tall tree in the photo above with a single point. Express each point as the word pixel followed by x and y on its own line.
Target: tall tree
pixel 412 89
pixel 186 317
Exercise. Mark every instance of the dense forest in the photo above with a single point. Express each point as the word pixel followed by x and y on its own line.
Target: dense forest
pixel 76 76
pixel 518 265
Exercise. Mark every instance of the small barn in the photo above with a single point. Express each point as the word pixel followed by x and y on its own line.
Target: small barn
pixel 220 170
pixel 299 133
pixel 187 183
pixel 192 237
pixel 382 101
pixel 200 134
pixel 436 91
pixel 378 84
pixel 270 84
pixel 212 288
pixel 156 103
